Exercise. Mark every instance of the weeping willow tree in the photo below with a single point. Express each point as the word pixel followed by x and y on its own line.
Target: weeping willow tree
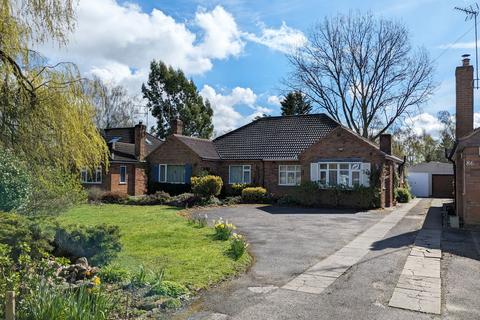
pixel 46 119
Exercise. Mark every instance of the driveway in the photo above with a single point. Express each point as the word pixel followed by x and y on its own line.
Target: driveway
pixel 288 242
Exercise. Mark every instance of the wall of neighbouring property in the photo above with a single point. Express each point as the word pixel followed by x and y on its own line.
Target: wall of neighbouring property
pixel 468 185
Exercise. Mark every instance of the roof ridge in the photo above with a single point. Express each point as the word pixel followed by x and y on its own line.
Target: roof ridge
pixel 192 138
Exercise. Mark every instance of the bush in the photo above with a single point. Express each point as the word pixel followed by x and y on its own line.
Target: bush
pixel 15 183
pixel 95 194
pixel 115 197
pixel 238 246
pixel 169 289
pixel 229 201
pixel 99 244
pixel 183 200
pixel 254 194
pixel 403 195
pixel 172 303
pixel 223 229
pixel 16 229
pixel 207 186
pixel 237 188
pixel 158 198
pixel 113 274
pixel 171 188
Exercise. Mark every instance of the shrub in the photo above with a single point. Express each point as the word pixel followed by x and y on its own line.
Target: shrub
pixel 207 186
pixel 172 303
pixel 113 274
pixel 403 195
pixel 16 229
pixel 254 194
pixel 159 197
pixel 95 194
pixel 237 188
pixel 238 246
pixel 114 197
pixel 15 183
pixel 54 191
pixel 171 188
pixel 229 201
pixel 223 229
pixel 99 244
pixel 169 289
pixel 183 200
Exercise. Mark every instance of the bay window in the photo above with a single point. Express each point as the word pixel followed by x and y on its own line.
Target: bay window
pixel 339 173
pixel 240 174
pixel 289 175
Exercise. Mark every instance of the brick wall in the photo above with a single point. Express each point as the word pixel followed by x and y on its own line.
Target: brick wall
pixel 468 185
pixel 464 99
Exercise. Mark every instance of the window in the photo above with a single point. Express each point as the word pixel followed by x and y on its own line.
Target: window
pixel 168 173
pixel 289 175
pixel 341 173
pixel 91 177
pixel 123 174
pixel 240 174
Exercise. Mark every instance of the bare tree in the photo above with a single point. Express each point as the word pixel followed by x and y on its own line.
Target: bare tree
pixel 114 106
pixel 363 72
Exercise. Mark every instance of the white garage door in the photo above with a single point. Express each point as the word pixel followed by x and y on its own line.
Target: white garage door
pixel 419 182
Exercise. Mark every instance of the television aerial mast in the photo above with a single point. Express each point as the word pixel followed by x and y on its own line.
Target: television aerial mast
pixel 472 13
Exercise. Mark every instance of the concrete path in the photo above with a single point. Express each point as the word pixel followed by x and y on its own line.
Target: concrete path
pixel 419 286
pixel 317 278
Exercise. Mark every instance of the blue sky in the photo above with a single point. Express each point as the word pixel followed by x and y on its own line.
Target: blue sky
pixel 235 50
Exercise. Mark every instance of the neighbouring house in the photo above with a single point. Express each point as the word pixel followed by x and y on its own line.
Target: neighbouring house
pixel 466 152
pixel 431 179
pixel 279 153
pixel 128 168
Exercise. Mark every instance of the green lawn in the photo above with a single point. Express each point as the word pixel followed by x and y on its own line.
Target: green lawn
pixel 156 236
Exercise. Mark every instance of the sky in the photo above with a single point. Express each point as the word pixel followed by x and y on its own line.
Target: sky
pixel 235 50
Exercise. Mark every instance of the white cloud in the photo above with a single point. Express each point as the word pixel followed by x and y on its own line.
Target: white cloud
pixel 225 115
pixel 118 41
pixel 284 39
pixel 427 123
pixel 274 100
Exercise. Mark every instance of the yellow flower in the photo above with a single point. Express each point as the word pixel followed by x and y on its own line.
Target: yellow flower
pixel 96 281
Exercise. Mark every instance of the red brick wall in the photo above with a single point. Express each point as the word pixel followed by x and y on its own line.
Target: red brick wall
pixel 468 185
pixel 464 99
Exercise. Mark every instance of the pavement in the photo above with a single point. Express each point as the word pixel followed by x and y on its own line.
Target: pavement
pixel 372 249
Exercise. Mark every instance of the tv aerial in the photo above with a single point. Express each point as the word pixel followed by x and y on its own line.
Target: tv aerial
pixel 471 13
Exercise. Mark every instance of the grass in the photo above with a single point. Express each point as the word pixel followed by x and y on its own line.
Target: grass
pixel 156 236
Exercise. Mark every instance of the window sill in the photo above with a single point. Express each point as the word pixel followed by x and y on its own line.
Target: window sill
pixel 122 183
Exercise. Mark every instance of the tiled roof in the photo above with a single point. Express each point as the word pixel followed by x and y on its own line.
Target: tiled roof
pixel 203 147
pixel 282 137
pixel 432 167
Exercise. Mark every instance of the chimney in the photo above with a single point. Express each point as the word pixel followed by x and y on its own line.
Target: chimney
pixel 386 143
pixel 140 136
pixel 464 97
pixel 177 126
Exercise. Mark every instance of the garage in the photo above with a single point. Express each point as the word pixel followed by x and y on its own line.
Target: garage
pixel 431 179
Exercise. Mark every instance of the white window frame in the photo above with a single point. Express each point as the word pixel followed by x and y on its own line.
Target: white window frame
pixel 245 168
pixel 120 175
pixel 350 171
pixel 297 172
pixel 97 173
pixel 166 173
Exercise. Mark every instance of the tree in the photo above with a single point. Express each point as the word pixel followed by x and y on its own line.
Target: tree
pixel 295 103
pixel 447 135
pixel 171 95
pixel 363 72
pixel 114 107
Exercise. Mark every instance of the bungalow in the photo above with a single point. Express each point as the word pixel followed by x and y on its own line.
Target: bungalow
pixel 127 173
pixel 278 153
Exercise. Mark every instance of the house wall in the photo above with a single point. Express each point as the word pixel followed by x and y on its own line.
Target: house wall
pixel 468 185
pixel 343 144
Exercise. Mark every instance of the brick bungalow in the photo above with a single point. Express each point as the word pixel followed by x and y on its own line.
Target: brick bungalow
pixel 278 153
pixel 466 152
pixel 127 173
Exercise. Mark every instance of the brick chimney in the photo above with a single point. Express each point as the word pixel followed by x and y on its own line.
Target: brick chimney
pixel 386 143
pixel 464 97
pixel 140 136
pixel 177 126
